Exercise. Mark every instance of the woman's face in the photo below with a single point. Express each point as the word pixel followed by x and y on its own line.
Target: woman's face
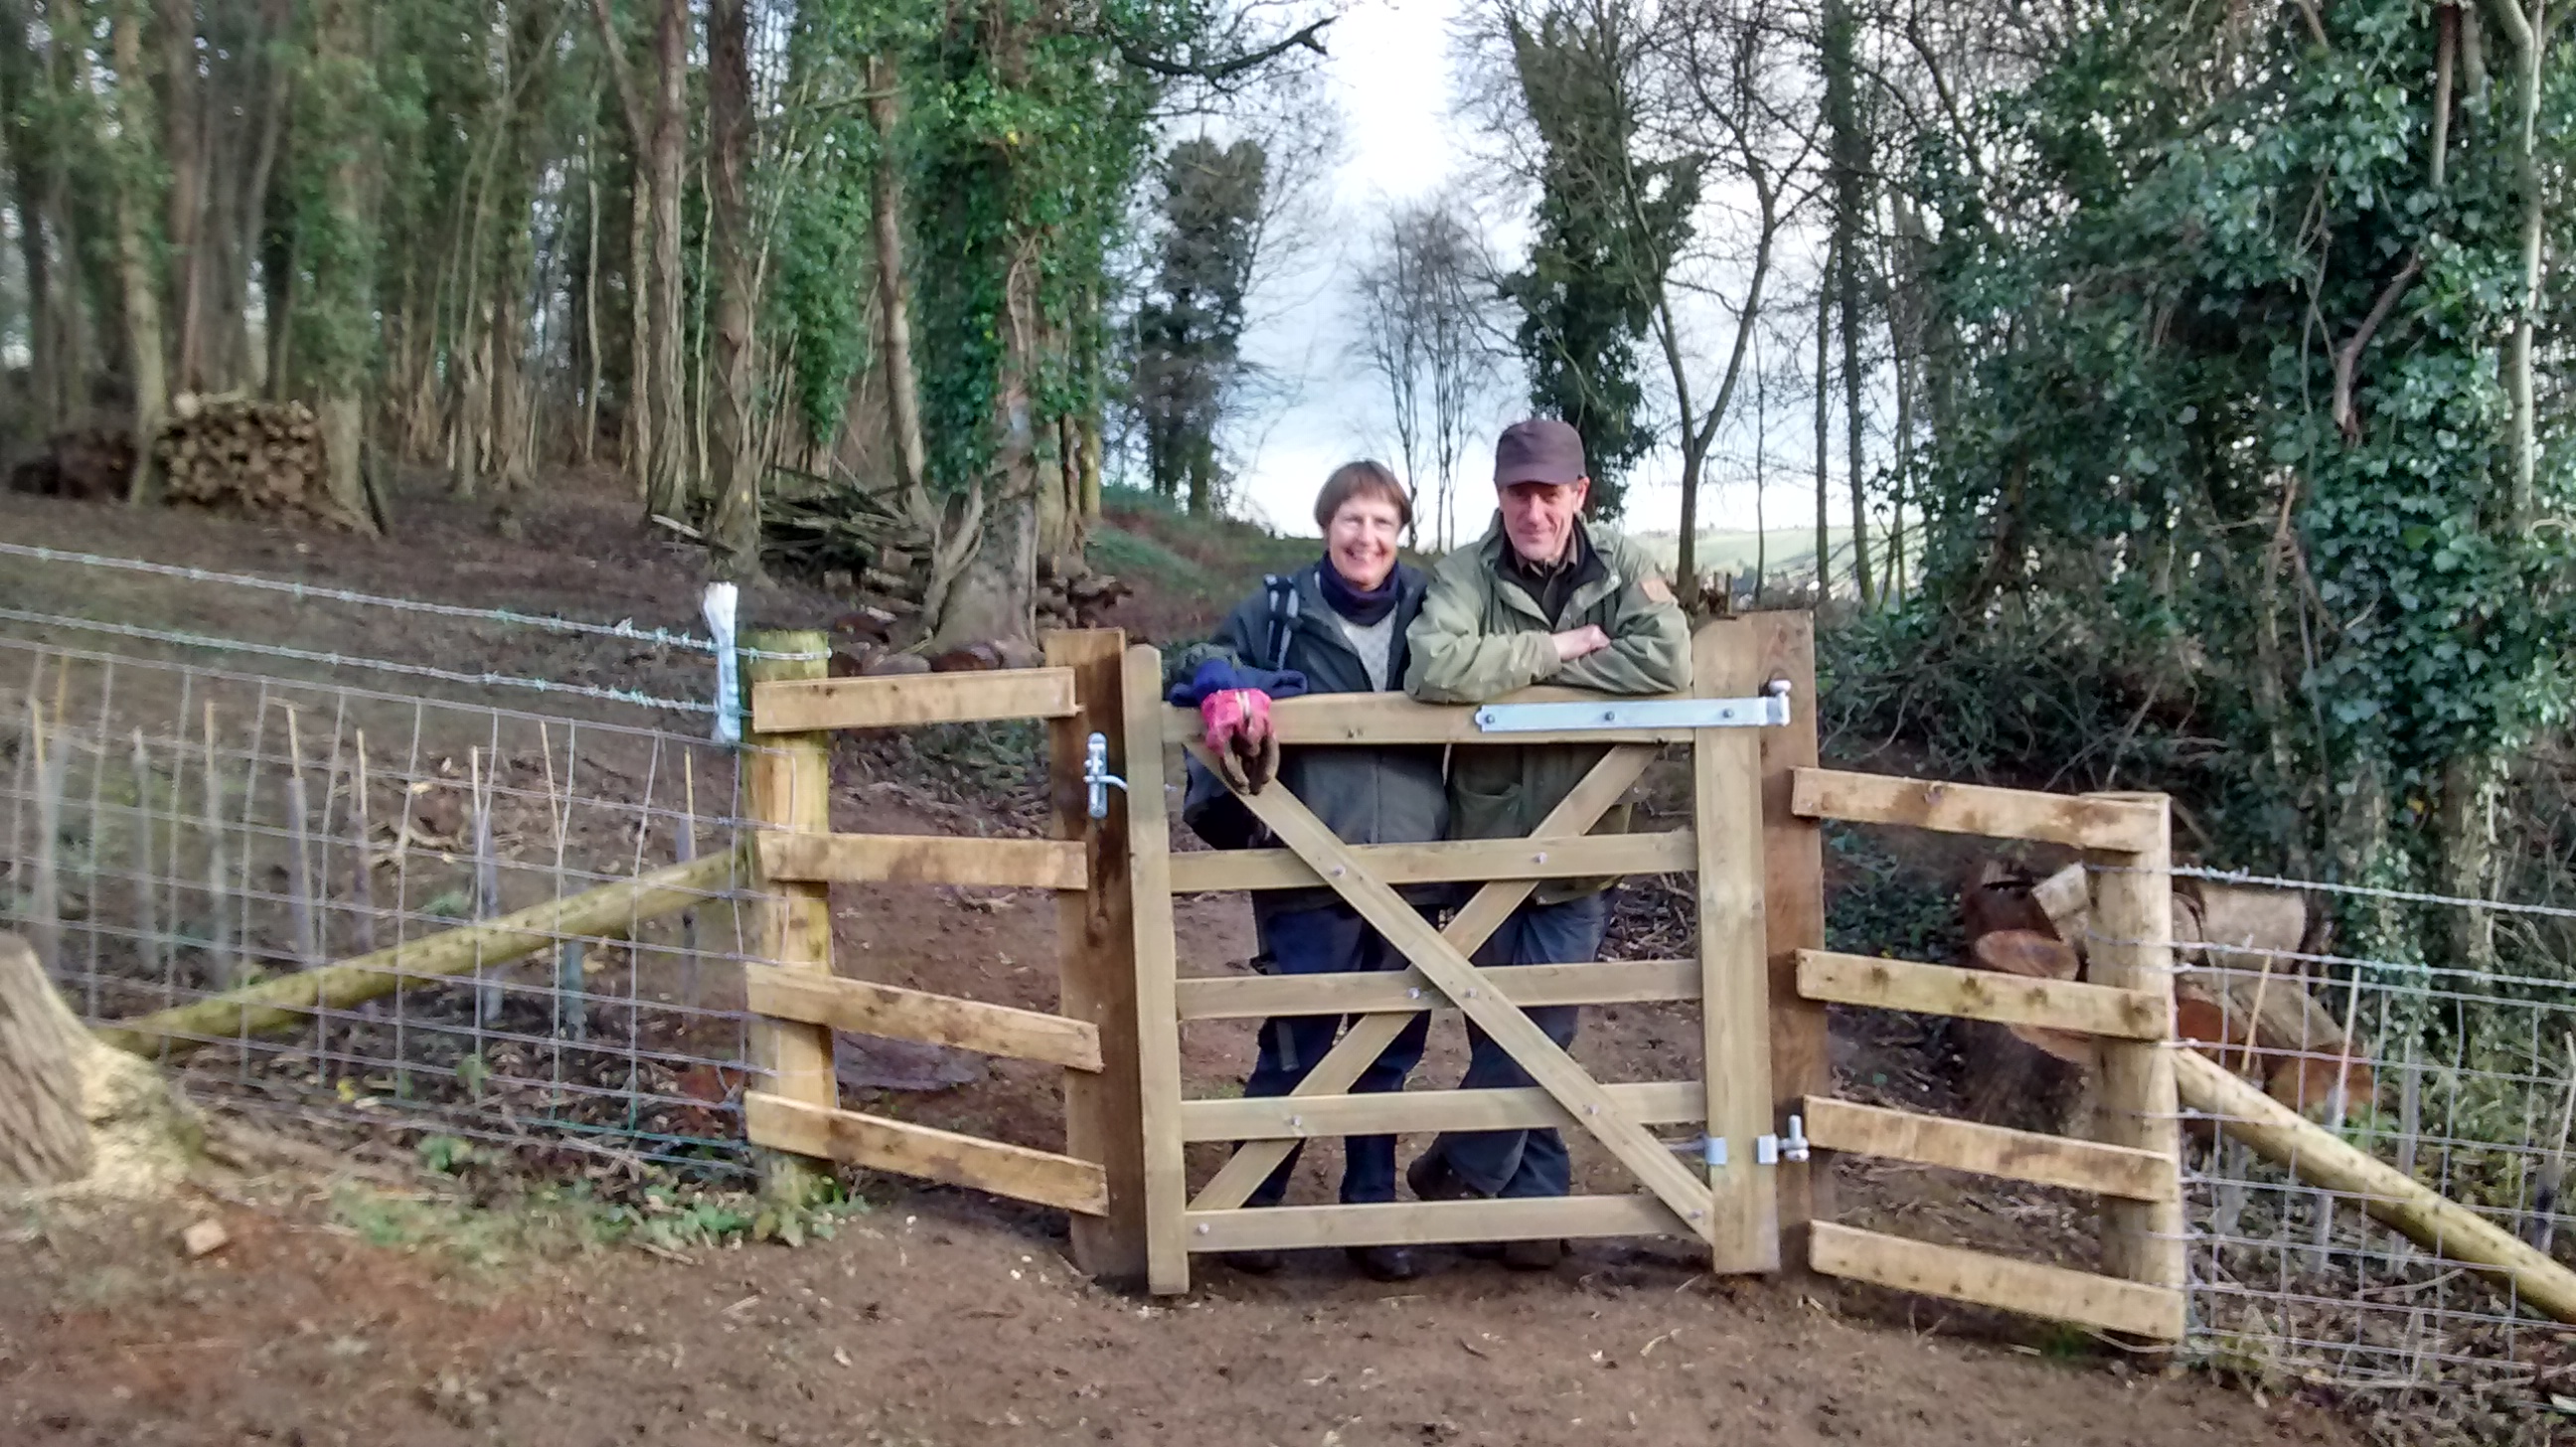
pixel 1361 540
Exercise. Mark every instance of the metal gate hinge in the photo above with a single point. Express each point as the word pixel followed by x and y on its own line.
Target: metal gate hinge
pixel 1770 710
pixel 1793 1147
pixel 1095 773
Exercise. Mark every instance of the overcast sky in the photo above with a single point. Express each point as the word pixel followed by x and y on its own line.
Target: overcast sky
pixel 1388 73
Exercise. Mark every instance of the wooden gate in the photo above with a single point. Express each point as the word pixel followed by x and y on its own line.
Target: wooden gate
pixel 1725 1194
pixel 798 1000
pixel 2126 1006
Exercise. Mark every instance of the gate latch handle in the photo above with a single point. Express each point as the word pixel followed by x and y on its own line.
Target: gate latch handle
pixel 1095 773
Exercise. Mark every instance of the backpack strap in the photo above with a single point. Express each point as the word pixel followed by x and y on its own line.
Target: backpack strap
pixel 1283 617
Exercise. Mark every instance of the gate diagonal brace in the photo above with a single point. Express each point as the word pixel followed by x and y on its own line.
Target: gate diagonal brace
pixel 1555 1071
pixel 1368 1037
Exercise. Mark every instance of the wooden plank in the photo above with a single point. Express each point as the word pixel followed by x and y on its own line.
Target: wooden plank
pixel 2325 1160
pixel 1541 1058
pixel 1095 934
pixel 925 859
pixel 2083 822
pixel 1680 1102
pixel 1793 909
pixel 1469 860
pixel 1606 982
pixel 1984 995
pixel 1383 719
pixel 1973 1276
pixel 905 1149
pixel 289 1002
pixel 1990 1150
pixel 871 1009
pixel 2131 947
pixel 1158 1025
pixel 790 784
pixel 1424 1223
pixel 1492 905
pixel 1735 1017
pixel 910 700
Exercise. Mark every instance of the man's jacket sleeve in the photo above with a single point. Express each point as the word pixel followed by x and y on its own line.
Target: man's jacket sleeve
pixel 1453 659
pixel 1650 646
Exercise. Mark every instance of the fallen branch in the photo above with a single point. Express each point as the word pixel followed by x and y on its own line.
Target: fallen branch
pixel 2321 1158
pixel 290 1000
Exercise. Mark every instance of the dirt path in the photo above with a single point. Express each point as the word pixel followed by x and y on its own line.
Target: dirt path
pixel 930 1322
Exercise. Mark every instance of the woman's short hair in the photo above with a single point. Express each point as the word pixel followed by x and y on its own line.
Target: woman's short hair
pixel 1361 479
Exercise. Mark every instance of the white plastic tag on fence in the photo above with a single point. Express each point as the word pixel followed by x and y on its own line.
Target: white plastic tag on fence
pixel 719 608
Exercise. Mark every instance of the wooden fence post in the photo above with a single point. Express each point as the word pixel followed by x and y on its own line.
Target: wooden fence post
pixel 2132 949
pixel 1736 1023
pixel 791 789
pixel 1782 645
pixel 1096 933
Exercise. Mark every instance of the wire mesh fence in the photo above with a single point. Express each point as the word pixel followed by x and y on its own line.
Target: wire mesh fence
pixel 177 832
pixel 2463 1080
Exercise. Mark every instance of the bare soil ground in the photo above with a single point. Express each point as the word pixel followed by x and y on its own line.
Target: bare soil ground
pixel 939 1318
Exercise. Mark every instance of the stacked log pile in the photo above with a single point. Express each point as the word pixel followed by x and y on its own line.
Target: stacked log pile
pixel 234 451
pixel 864 548
pixel 2244 998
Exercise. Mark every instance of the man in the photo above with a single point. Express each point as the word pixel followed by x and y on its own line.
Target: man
pixel 1542 599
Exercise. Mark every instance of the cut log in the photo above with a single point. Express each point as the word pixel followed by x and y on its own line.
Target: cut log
pixel 2025 1076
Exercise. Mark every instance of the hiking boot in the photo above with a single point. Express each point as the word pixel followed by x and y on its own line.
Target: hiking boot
pixel 1385 1263
pixel 1432 1180
pixel 1254 1263
pixel 1533 1255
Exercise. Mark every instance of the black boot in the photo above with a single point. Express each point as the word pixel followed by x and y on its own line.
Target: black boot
pixel 1385 1263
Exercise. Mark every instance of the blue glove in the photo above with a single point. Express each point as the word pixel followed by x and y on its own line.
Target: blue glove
pixel 1217 675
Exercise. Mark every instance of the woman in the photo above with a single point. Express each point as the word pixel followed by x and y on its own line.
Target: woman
pixel 1339 624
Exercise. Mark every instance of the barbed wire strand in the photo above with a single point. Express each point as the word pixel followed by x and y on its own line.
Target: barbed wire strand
pixel 345 660
pixel 624 630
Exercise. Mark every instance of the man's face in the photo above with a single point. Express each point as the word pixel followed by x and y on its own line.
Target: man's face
pixel 1539 517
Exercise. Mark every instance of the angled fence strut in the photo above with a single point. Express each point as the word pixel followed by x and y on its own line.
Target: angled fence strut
pixel 1367 1039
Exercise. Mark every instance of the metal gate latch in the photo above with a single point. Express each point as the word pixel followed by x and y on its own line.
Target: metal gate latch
pixel 1095 772
pixel 1768 710
pixel 1793 1147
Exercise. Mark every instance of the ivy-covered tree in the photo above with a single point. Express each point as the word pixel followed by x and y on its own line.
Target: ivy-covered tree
pixel 2244 315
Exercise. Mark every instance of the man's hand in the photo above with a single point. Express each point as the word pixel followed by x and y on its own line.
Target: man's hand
pixel 1574 643
pixel 1239 736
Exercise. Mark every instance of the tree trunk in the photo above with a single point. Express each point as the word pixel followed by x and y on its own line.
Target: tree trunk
pixel 332 317
pixel 894 310
pixel 183 148
pixel 1848 162
pixel 993 596
pixel 66 60
pixel 141 278
pixel 21 80
pixel 735 529
pixel 44 1132
pixel 590 291
pixel 1824 430
pixel 668 487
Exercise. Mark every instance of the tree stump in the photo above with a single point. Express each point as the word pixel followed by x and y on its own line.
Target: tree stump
pixel 2023 1076
pixel 44 1130
pixel 75 1111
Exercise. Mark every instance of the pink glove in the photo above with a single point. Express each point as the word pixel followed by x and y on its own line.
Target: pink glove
pixel 1239 737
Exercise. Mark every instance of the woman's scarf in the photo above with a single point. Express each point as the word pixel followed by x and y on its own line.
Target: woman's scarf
pixel 1366 609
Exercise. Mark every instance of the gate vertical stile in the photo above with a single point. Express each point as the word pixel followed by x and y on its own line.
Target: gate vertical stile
pixel 1735 1018
pixel 1793 916
pixel 1096 940
pixel 791 789
pixel 1158 1022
